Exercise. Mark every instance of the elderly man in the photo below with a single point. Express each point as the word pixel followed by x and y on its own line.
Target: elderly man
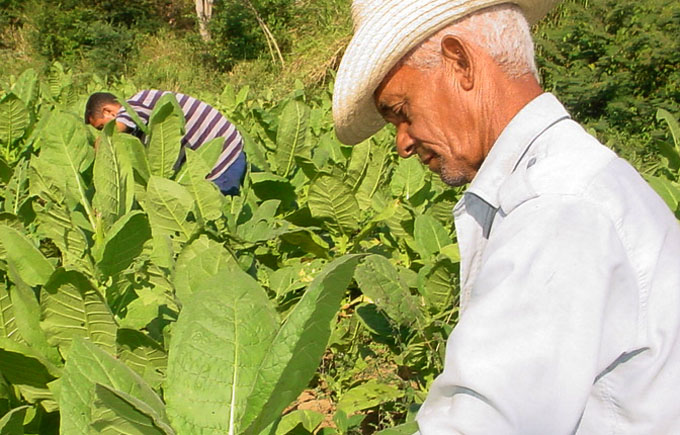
pixel 570 263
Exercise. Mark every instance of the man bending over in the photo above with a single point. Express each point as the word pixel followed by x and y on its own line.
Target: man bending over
pixel 203 124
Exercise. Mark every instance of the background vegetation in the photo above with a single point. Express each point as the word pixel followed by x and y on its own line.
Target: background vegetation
pixel 613 63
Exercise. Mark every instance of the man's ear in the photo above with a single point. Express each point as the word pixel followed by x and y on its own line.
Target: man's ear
pixel 457 55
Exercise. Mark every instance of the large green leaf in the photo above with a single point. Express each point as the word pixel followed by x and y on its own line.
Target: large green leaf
pixel 290 137
pixel 209 152
pixel 5 171
pixel 112 179
pixel 307 240
pixel 115 412
pixel 306 418
pixel 438 283
pixel 297 348
pixel 271 186
pixel 378 166
pixel 72 308
pixel 667 190
pixel 8 325
pixel 674 127
pixel 209 200
pixel 254 151
pixel 23 365
pixel 42 186
pixel 12 423
pixel 64 155
pixel 124 242
pixel 28 262
pixel 430 235
pixel 11 221
pixel 165 125
pixel 26 87
pixel 368 395
pixel 136 153
pixel 215 353
pixel 143 355
pixel 397 220
pixel 148 306
pixel 261 226
pixel 56 223
pixel 379 280
pixel 331 199
pixel 168 205
pixel 16 192
pixel 88 365
pixel 198 262
pixel 14 119
pixel 27 309
pixel 408 178
pixel 359 163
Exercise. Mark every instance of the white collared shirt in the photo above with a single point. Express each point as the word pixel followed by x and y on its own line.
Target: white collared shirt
pixel 570 292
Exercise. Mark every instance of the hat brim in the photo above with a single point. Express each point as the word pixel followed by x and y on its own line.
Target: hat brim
pixel 382 39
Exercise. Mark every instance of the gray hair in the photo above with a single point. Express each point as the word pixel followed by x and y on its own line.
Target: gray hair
pixel 501 30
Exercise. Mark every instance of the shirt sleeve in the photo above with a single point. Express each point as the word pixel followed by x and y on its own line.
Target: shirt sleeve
pixel 139 104
pixel 529 347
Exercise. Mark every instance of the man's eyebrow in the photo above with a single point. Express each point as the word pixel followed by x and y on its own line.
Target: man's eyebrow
pixel 389 107
pixel 384 108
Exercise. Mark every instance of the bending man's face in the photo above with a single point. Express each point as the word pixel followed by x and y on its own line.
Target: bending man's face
pixel 433 120
pixel 108 112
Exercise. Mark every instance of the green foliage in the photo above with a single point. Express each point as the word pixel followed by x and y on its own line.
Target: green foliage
pixel 237 35
pixel 136 298
pixel 104 34
pixel 112 262
pixel 613 63
pixel 667 182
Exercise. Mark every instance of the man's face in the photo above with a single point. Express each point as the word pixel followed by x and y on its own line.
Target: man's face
pixel 435 119
pixel 108 112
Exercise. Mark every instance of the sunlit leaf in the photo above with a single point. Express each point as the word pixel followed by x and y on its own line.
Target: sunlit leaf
pixel 115 412
pixel 165 126
pixel 408 178
pixel 379 280
pixel 368 395
pixel 296 350
pixel 14 119
pixel 290 137
pixel 113 180
pixel 72 308
pixel 215 353
pixel 330 199
pixel 88 365
pixel 24 257
pixel 124 242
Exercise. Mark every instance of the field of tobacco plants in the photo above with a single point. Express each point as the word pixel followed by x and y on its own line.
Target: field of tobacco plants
pixel 138 300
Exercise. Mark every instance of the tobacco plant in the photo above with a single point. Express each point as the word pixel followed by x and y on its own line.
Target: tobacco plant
pixel 135 298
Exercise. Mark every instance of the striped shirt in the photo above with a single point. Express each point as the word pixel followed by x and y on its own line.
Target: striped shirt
pixel 203 123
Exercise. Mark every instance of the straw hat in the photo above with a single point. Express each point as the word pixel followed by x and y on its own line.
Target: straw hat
pixel 384 31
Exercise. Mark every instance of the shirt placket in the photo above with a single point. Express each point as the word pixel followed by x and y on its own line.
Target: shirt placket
pixel 471 243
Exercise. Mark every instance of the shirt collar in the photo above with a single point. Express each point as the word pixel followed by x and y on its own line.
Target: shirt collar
pixel 515 139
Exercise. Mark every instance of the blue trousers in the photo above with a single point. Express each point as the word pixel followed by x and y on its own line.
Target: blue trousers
pixel 230 180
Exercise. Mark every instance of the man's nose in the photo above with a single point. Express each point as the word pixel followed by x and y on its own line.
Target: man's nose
pixel 406 145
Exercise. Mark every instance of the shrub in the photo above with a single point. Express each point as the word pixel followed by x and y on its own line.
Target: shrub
pixel 613 62
pixel 236 34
